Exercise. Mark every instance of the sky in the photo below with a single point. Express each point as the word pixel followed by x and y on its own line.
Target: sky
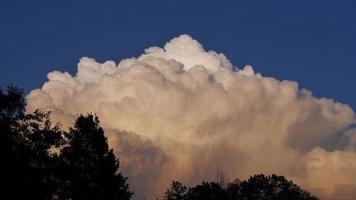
pixel 311 42
pixel 162 77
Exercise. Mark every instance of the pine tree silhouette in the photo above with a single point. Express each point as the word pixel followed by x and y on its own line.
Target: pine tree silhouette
pixel 90 169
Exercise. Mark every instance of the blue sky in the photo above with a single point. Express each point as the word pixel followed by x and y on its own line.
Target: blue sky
pixel 311 42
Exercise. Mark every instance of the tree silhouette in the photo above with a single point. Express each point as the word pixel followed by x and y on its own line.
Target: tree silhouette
pixel 26 140
pixel 177 191
pixel 258 187
pixel 207 191
pixel 90 169
pixel 233 190
pixel 11 109
pixel 272 187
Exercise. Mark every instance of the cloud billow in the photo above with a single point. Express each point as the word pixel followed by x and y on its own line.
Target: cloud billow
pixel 182 113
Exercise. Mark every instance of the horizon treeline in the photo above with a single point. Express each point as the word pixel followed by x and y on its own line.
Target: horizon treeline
pixel 41 161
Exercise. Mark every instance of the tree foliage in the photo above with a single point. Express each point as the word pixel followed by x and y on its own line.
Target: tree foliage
pixel 258 187
pixel 90 167
pixel 42 162
pixel 26 140
pixel 272 187
pixel 177 191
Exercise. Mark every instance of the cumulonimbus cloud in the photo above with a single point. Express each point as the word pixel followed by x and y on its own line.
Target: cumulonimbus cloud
pixel 182 113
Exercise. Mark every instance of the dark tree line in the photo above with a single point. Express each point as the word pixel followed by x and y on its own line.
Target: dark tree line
pixel 258 187
pixel 40 161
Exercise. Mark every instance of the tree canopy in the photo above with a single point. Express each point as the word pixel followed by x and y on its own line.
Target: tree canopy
pixel 258 187
pixel 42 162
pixel 26 140
pixel 90 167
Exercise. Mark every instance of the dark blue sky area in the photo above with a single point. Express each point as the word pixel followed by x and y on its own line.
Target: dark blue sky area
pixel 312 42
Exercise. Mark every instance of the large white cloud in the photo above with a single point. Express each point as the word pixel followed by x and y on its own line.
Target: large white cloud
pixel 182 113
